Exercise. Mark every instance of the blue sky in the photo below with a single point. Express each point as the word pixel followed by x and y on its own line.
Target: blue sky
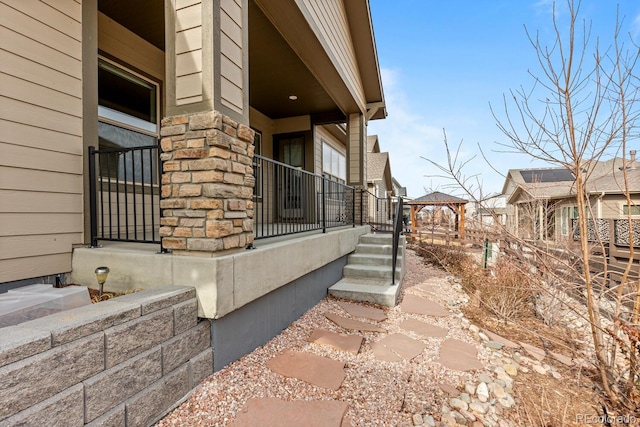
pixel 444 62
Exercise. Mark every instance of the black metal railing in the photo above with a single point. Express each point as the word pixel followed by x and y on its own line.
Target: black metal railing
pixel 289 200
pixel 124 194
pixel 376 211
pixel 397 231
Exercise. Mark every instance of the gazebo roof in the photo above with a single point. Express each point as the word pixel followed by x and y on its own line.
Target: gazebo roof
pixel 438 198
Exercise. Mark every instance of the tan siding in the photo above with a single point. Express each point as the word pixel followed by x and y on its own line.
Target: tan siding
pixel 30 246
pixel 612 205
pixel 23 201
pixel 330 21
pixel 44 25
pixel 121 43
pixel 30 71
pixel 231 44
pixel 14 269
pixel 70 8
pixel 24 224
pixel 13 87
pixel 39 53
pixel 189 53
pixel 35 180
pixel 354 149
pixel 40 137
pixel 35 158
pixel 22 134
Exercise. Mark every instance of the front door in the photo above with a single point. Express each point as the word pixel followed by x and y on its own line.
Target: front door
pixel 290 186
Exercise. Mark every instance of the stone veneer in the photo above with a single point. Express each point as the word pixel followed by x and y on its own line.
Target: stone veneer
pixel 207 183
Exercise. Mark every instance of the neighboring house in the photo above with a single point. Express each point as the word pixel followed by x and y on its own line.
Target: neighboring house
pixel 490 211
pixel 541 203
pixel 260 110
pixel 379 183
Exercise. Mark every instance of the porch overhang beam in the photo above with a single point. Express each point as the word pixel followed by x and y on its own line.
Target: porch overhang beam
pixel 373 108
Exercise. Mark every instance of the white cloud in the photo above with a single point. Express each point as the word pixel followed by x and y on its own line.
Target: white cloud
pixel 408 136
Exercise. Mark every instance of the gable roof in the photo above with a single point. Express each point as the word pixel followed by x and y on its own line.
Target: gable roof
pixel 376 165
pixel 373 144
pixel 556 183
pixel 438 198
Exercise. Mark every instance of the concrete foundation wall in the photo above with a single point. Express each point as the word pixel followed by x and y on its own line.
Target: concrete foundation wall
pixel 223 283
pixel 124 362
pixel 254 324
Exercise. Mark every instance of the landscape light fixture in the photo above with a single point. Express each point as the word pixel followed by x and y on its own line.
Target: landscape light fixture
pixel 101 276
pixel 293 97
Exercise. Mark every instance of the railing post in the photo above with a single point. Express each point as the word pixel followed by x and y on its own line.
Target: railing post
pixel 93 212
pixel 324 205
pixel 353 206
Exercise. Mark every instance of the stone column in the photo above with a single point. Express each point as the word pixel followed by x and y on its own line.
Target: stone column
pixel 207 183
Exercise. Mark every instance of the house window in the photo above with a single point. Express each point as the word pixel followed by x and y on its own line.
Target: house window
pixel 567 214
pixel 334 164
pixel 635 210
pixel 127 118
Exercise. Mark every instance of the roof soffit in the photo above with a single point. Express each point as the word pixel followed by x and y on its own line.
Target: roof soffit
pixel 362 34
pixel 290 21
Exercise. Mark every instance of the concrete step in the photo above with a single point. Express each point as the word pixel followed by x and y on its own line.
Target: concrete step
pixel 378 291
pixel 372 259
pixel 380 239
pixel 370 271
pixel 373 249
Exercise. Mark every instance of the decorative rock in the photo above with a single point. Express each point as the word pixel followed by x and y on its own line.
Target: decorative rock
pixel 458 404
pixel 482 391
pixel 484 378
pixel 523 369
pixel 447 420
pixel 474 329
pixel 498 391
pixel 470 389
pixel 539 369
pixel 459 418
pixel 517 357
pixel 469 416
pixel 479 408
pixel 510 369
pixel 497 345
pixel 483 336
pixel 556 375
pixel 464 397
pixel 417 420
pixel 428 420
pixel 506 401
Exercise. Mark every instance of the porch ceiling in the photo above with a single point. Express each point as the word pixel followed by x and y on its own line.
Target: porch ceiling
pixel 276 71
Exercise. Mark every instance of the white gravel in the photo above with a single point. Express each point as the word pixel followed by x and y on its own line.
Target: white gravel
pixel 378 393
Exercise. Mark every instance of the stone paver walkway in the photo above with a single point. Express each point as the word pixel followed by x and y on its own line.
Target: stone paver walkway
pixel 329 373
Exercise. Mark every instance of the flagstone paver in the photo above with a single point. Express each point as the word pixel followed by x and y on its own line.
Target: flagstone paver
pixel 449 389
pixel 459 355
pixel 274 412
pixel 397 347
pixel 423 328
pixel 533 351
pixel 495 337
pixel 418 305
pixel 350 343
pixel 316 370
pixel 358 310
pixel 347 323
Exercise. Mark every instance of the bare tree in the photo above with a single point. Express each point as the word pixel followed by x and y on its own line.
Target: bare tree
pixel 580 110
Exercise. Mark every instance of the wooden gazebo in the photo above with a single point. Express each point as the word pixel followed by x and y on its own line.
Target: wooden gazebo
pixel 456 204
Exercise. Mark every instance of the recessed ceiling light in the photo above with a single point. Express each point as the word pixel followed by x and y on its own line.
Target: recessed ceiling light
pixel 293 97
